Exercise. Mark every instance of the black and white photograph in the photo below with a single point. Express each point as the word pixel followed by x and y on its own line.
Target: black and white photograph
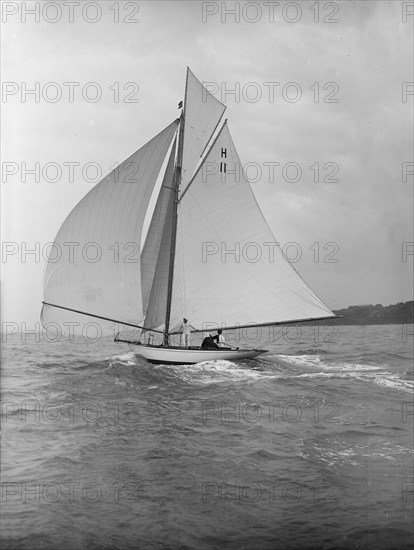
pixel 207 315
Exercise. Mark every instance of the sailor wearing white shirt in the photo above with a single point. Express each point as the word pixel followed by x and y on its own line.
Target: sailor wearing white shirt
pixel 219 338
pixel 186 333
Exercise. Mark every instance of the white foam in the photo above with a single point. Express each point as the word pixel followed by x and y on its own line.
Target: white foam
pixel 211 372
pixel 392 381
pixel 301 360
pixel 126 359
pixel 384 379
pixel 345 369
pixel 315 361
pixel 353 367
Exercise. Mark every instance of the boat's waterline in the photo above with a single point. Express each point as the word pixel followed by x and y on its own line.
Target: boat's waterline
pixel 179 356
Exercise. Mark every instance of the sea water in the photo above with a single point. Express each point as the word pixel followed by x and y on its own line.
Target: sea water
pixel 309 446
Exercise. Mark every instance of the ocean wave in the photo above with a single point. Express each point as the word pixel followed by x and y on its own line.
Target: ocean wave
pixel 395 382
pixel 352 448
pixel 126 359
pixel 383 379
pixel 210 372
pixel 221 371
pixel 377 374
pixel 314 351
pixel 316 361
pixel 299 360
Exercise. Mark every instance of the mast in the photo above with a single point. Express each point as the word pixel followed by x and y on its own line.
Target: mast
pixel 175 190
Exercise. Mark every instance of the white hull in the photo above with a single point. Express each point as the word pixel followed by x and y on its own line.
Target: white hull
pixel 179 356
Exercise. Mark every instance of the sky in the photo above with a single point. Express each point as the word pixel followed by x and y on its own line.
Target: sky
pixel 325 85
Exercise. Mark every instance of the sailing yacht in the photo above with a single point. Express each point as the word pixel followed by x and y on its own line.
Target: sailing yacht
pixel 208 254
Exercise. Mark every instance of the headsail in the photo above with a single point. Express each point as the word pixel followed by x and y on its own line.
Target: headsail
pixel 229 268
pixel 95 264
pixel 202 116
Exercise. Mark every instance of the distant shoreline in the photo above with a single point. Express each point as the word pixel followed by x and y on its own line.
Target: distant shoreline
pixel 403 312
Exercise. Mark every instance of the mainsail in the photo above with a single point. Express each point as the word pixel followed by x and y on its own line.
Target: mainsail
pixel 209 254
pixel 155 256
pixel 94 265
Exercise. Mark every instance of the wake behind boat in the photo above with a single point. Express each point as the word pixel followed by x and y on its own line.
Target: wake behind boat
pixel 208 255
